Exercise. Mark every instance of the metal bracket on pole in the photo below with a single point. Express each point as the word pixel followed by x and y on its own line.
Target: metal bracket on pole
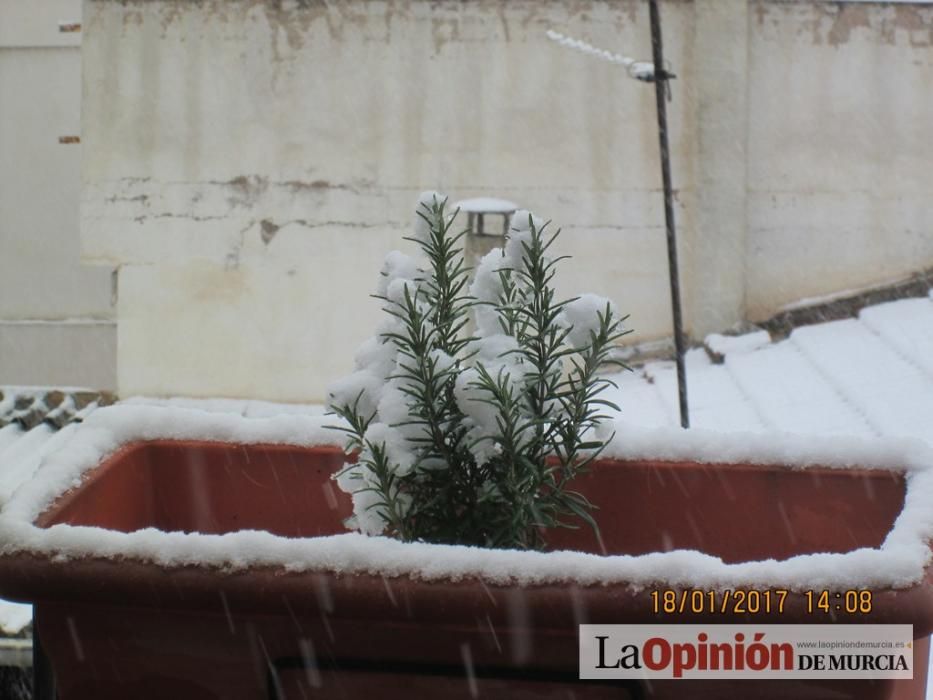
pixel 662 94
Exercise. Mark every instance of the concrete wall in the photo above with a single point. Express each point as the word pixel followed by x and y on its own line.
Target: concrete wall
pixel 840 193
pixel 56 316
pixel 248 163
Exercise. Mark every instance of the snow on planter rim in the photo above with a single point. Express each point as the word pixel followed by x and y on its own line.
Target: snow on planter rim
pixel 899 562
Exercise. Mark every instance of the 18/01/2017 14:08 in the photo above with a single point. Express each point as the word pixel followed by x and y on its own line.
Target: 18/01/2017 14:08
pixel 754 602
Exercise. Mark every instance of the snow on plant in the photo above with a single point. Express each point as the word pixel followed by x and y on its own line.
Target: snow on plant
pixel 476 404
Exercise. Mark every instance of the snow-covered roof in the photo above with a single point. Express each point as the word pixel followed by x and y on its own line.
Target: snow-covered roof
pixel 865 376
pixel 33 421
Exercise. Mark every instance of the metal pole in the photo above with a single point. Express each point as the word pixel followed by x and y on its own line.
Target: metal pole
pixel 661 90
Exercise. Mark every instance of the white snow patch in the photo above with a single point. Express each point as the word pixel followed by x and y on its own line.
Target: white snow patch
pixel 397 265
pixel 393 441
pixel 486 288
pixel 362 389
pixel 486 205
pixel 729 345
pixel 238 406
pixel 498 355
pixel 269 409
pixel 523 220
pixel 907 326
pixel 582 315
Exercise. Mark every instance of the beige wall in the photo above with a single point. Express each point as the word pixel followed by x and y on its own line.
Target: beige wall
pixel 840 152
pixel 55 314
pixel 206 124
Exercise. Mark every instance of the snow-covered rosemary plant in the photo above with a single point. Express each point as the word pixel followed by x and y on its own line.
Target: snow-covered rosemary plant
pixel 472 433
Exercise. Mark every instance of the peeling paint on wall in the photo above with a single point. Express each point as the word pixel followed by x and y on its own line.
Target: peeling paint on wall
pixel 292 137
pixel 837 23
pixel 267 230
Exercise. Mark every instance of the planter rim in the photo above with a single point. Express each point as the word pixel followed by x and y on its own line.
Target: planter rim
pixel 901 561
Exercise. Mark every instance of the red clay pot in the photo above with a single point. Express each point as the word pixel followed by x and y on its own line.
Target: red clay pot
pixel 132 629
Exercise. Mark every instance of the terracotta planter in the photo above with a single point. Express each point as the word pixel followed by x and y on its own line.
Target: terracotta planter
pixel 126 626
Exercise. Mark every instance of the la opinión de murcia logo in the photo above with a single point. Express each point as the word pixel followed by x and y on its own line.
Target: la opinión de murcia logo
pixel 746 651
pixel 658 654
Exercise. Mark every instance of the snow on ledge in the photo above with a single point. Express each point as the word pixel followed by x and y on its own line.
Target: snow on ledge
pixel 486 205
pixel 899 562
pixel 738 344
